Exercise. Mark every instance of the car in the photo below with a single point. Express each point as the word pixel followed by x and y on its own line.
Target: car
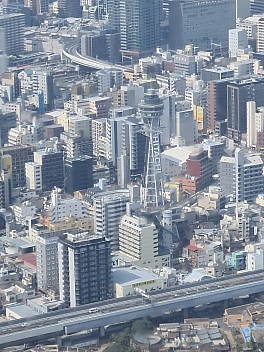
pixel 93 310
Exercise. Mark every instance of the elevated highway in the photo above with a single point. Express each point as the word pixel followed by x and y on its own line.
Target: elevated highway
pixel 115 311
pixel 72 54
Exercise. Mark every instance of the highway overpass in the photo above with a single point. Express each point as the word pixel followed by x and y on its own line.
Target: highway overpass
pixel 72 54
pixel 115 311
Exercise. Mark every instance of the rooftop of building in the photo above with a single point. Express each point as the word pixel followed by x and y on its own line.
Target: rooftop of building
pixel 44 301
pixel 227 159
pixel 47 151
pixel 198 274
pixel 253 159
pixel 97 98
pixel 252 308
pixel 217 69
pixel 127 276
pixel 16 147
pixel 22 310
pixel 53 126
pixel 110 194
pixel 29 259
pixel 16 243
pixel 178 154
pixel 6 16
pixel 252 19
pixel 82 238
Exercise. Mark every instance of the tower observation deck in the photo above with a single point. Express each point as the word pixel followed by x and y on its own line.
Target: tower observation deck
pixel 151 110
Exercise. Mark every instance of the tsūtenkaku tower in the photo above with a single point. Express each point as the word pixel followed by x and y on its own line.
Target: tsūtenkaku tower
pixel 151 110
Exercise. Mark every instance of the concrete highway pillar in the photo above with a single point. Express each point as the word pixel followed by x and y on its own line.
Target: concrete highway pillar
pixel 185 313
pixel 225 304
pixel 102 331
pixel 59 341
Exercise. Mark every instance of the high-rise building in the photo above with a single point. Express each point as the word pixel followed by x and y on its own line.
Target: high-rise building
pixel 200 167
pixel 98 132
pixel 260 34
pixel 80 126
pixel 107 79
pixel 37 7
pixel 109 207
pixel 47 261
pixel 217 104
pixel 76 146
pixel 14 26
pixel 151 110
pixel 241 176
pixel 93 44
pixel 78 173
pixel 216 73
pixel 138 22
pixel 256 7
pixel 2 194
pixel 238 41
pixel 115 140
pixel 69 8
pixel 255 125
pixel 20 155
pixel 185 64
pixel 11 79
pixel 84 269
pixel 99 106
pixel 135 142
pixel 186 127
pixel 7 121
pixel 104 46
pixel 239 92
pixel 130 95
pixel 42 82
pixel 52 168
pixel 138 240
pixel 33 176
pixel 242 8
pixel 200 23
pixel 123 172
pixel 10 8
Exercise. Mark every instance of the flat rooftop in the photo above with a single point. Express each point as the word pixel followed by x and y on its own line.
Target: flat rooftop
pixel 22 310
pixel 127 276
pixel 178 154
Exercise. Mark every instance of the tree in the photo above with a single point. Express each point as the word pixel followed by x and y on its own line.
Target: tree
pixel 142 326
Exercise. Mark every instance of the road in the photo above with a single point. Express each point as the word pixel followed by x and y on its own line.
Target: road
pixel 71 52
pixel 116 311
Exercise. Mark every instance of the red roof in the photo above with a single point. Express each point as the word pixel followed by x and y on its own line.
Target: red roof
pixel 29 260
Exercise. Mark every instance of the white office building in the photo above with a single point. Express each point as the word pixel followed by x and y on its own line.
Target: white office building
pixel 23 134
pixel 33 176
pixel 186 128
pixel 103 81
pixel 109 207
pixel 241 176
pixel 116 142
pixel 138 242
pixel 59 208
pixel 47 261
pixel 238 40
pixel 245 67
pixel 255 256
